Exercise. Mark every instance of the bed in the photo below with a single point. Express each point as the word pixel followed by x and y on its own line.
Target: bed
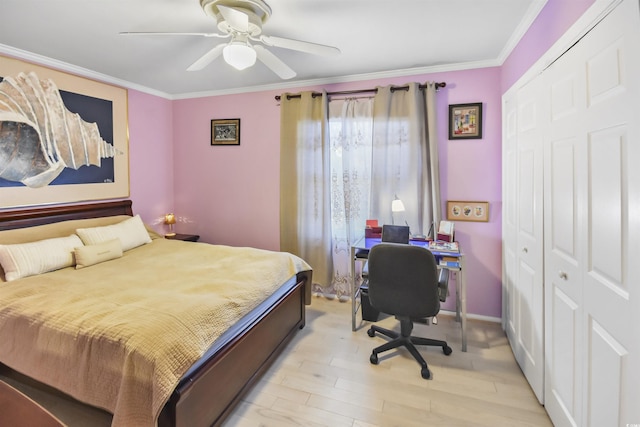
pixel 249 333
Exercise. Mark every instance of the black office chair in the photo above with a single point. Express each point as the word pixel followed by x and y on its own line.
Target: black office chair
pixel 403 281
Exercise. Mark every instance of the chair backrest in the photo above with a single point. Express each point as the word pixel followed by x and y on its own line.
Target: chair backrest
pixel 395 233
pixel 403 280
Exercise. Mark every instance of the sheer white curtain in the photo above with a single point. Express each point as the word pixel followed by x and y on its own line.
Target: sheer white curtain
pixel 405 156
pixel 350 133
pixel 343 162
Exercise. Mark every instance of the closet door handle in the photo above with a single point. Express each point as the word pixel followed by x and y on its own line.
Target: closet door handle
pixel 563 275
pixel 525 250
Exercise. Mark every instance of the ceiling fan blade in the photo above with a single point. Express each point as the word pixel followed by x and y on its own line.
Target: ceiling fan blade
pixel 235 18
pixel 207 58
pixel 274 63
pixel 149 33
pixel 314 48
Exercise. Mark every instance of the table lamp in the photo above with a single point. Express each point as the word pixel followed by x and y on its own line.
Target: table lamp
pixel 396 206
pixel 170 219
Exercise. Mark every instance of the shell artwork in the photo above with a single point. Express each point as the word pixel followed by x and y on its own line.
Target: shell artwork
pixel 39 136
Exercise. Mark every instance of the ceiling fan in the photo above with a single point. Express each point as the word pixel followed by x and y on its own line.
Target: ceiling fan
pixel 241 22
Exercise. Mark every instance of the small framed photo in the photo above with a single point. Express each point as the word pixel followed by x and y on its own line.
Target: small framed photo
pixel 465 121
pixel 225 132
pixel 468 211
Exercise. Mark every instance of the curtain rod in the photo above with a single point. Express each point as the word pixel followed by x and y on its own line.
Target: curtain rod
pixel 349 92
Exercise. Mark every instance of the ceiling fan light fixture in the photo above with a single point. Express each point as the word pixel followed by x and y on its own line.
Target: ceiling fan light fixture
pixel 239 55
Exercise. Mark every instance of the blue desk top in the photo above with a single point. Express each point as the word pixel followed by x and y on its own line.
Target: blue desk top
pixel 369 242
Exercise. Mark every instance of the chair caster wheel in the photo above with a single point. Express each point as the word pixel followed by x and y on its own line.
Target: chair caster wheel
pixel 426 374
pixel 447 350
pixel 371 333
pixel 373 359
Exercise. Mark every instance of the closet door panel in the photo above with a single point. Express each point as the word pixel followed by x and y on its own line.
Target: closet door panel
pixel 606 204
pixel 612 273
pixel 563 391
pixel 529 238
pixel 607 289
pixel 563 280
pixel 509 197
pixel 565 185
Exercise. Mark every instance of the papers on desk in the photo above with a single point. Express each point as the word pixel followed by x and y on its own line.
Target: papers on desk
pixel 445 247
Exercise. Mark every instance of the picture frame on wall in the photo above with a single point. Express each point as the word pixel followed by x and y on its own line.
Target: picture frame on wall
pixel 225 132
pixel 467 211
pixel 73 116
pixel 465 121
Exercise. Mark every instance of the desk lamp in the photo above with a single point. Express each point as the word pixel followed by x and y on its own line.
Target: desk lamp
pixel 396 206
pixel 170 219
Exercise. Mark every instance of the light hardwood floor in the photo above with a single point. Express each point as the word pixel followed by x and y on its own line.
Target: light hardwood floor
pixel 324 378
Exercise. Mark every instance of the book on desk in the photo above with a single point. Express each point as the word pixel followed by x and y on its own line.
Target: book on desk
pixel 449 261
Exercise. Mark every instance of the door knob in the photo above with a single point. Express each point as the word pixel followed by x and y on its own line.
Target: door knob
pixel 563 275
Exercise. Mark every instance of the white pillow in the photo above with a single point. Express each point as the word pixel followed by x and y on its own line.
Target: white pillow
pixel 28 259
pixel 131 232
pixel 94 254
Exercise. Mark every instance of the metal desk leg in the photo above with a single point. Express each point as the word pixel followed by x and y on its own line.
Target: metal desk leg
pixel 458 274
pixel 354 286
pixel 463 301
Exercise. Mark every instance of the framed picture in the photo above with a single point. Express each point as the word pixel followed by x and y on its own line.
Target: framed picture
pixel 225 132
pixel 72 134
pixel 468 211
pixel 465 121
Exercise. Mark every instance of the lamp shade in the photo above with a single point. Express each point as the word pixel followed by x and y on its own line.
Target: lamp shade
pixel 397 206
pixel 239 55
pixel 170 219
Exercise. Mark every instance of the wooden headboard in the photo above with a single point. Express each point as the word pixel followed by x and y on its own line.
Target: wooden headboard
pixel 29 217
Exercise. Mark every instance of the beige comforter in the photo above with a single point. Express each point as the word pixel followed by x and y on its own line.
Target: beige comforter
pixel 119 335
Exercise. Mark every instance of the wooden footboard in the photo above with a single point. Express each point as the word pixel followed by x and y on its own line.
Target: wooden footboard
pixel 211 393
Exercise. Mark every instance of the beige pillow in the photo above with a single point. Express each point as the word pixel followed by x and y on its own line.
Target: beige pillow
pixel 131 232
pixel 94 254
pixel 28 259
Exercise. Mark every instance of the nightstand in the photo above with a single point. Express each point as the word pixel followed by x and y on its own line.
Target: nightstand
pixel 184 237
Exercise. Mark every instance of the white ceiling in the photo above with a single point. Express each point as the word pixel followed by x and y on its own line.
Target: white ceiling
pixel 377 38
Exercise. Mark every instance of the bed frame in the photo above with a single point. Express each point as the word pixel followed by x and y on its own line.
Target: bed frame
pixel 213 386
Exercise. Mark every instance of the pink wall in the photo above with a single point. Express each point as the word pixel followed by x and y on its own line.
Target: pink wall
pixel 551 23
pixel 230 195
pixel 471 170
pixel 151 156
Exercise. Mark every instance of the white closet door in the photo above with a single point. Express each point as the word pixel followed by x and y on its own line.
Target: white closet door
pixel 592 226
pixel 528 302
pixel 566 176
pixel 509 215
pixel 612 280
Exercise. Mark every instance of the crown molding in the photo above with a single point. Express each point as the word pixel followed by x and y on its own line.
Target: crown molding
pixel 532 13
pixel 84 72
pixel 73 69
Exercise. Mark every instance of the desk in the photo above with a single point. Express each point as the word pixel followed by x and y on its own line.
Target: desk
pixel 359 252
